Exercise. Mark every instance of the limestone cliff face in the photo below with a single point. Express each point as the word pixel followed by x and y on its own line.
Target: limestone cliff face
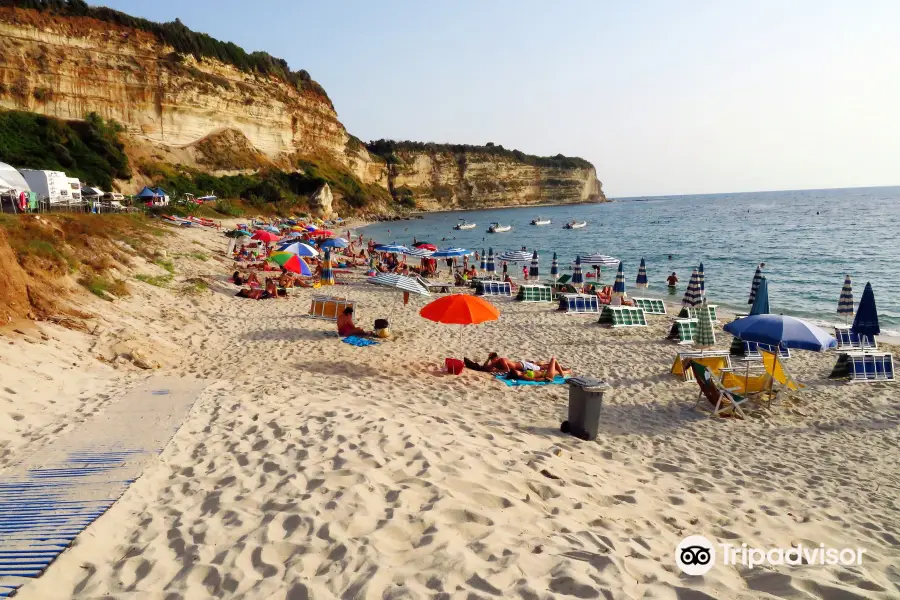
pixel 454 180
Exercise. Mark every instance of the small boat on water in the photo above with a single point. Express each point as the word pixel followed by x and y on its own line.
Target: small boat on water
pixel 463 224
pixel 541 221
pixel 498 228
pixel 575 225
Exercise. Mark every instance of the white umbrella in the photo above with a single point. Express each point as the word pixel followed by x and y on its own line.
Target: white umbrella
pixel 515 256
pixel 400 282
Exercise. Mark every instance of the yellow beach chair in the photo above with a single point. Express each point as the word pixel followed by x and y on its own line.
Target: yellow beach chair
pixel 781 381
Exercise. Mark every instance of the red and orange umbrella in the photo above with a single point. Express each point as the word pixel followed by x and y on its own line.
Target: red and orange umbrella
pixel 460 309
pixel 321 233
pixel 265 236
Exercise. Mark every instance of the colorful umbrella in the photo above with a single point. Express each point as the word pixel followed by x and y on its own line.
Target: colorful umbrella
pixel 773 330
pixel 642 276
pixel 702 278
pixel 334 243
pixel 761 302
pixel 460 309
pixel 425 246
pixel 577 278
pixel 265 236
pixel 491 267
pixel 291 262
pixel 554 266
pixel 534 270
pixel 755 285
pixel 693 295
pixel 320 233
pixel 866 320
pixel 299 248
pixel 327 277
pixel 845 302
pixel 483 260
pixel 619 285
pixel 705 336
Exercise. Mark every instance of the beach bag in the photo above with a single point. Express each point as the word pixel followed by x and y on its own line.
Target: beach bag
pixel 454 365
pixel 381 324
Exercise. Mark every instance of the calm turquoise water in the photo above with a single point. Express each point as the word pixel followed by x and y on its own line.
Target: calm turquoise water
pixel 808 239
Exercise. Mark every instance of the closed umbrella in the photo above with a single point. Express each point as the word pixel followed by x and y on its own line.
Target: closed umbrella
pixel 866 321
pixel 755 285
pixel 845 302
pixel 534 270
pixel 491 267
pixel 642 276
pixel 577 278
pixel 693 296
pixel 483 260
pixel 787 331
pixel 702 277
pixel 327 277
pixel 619 285
pixel 554 266
pixel 705 336
pixel 761 303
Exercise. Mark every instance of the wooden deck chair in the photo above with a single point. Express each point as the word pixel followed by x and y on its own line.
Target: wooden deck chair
pixel 724 402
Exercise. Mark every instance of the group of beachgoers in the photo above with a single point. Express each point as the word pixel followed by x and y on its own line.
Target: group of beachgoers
pixel 524 370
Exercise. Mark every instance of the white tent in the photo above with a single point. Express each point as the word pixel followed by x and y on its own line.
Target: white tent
pixel 10 179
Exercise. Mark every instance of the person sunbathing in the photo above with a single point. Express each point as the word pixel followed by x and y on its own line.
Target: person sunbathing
pixel 499 364
pixel 547 373
pixel 346 326
pixel 252 280
pixel 237 279
pixel 253 294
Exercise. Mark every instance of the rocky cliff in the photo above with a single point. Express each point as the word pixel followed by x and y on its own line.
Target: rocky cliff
pixel 189 108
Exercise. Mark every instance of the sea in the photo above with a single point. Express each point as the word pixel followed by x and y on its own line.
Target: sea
pixel 808 239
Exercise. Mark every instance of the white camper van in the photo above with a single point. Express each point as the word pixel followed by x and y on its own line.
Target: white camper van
pixel 53 186
pixel 74 189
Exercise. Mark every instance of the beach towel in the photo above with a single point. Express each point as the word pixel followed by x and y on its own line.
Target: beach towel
pixel 358 341
pixel 559 379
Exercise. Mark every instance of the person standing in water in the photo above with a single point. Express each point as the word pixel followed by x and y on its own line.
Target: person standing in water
pixel 672 279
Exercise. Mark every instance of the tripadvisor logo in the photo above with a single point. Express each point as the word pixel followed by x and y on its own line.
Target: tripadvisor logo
pixel 696 555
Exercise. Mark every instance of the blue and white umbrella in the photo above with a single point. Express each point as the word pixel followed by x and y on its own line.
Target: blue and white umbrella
pixel 774 330
pixel 298 248
pixel 619 285
pixel 642 276
pixel 534 270
pixel 845 302
pixel 755 285
pixel 601 260
pixel 483 260
pixel 554 266
pixel 491 267
pixel 693 296
pixel 334 243
pixel 515 256
pixel 400 282
pixel 866 320
pixel 451 253
pixel 577 278
pixel 391 248
pixel 419 252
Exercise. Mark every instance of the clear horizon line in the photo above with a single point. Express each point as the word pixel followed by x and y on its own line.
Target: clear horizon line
pixel 856 187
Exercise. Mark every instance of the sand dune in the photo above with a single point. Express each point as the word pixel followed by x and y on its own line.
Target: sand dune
pixel 314 469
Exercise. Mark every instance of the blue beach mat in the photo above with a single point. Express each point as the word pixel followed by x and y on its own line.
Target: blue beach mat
pixel 358 341
pixel 559 379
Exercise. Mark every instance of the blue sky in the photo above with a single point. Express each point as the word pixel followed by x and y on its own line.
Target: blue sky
pixel 664 97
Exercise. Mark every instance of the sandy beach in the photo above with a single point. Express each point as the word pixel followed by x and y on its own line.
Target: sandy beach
pixel 310 468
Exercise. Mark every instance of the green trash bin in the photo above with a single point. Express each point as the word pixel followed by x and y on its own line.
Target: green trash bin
pixel 585 402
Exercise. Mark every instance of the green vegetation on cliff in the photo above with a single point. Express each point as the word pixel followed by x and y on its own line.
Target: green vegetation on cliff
pixel 89 150
pixel 182 39
pixel 388 149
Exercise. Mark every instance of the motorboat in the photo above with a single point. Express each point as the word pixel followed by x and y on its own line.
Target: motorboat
pixel 575 225
pixel 541 221
pixel 498 228
pixel 463 224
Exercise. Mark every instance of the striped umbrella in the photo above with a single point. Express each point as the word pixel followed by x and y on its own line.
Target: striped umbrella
pixel 451 253
pixel 407 284
pixel 418 252
pixel 693 295
pixel 619 285
pixel 601 260
pixel 554 266
pixel 491 267
pixel 702 279
pixel 515 256
pixel 299 248
pixel 577 278
pixel 642 276
pixel 755 285
pixel 483 260
pixel 327 277
pixel 705 336
pixel 391 248
pixel 291 262
pixel 845 302
pixel 534 271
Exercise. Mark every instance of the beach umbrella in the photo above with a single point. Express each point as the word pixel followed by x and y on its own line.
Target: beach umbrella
pixel 619 285
pixel 755 285
pixel 515 256
pixel 334 243
pixel 299 248
pixel 425 246
pixel 642 276
pixel 866 320
pixel 577 278
pixel 451 253
pixel 774 330
pixel 705 336
pixel 845 302
pixel 391 248
pixel 265 236
pixel 418 252
pixel 327 277
pixel 534 270
pixel 693 296
pixel 272 229
pixel 291 262
pixel 702 279
pixel 236 233
pixel 491 267
pixel 400 282
pixel 321 233
pixel 460 309
pixel 554 266
pixel 601 260
pixel 310 228
pixel 483 260
pixel 761 303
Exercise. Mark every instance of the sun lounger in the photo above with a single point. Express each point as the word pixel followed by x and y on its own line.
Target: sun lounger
pixel 724 402
pixel 864 366
pixel 328 307
pixel 781 381
pixel 691 312
pixel 683 331
pixel 493 288
pixel 437 286
pixel 623 316
pixel 578 303
pixel 651 306
pixel 714 360
pixel 535 293
pixel 847 340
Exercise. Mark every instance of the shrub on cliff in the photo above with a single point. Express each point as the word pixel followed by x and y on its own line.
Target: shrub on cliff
pixel 388 150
